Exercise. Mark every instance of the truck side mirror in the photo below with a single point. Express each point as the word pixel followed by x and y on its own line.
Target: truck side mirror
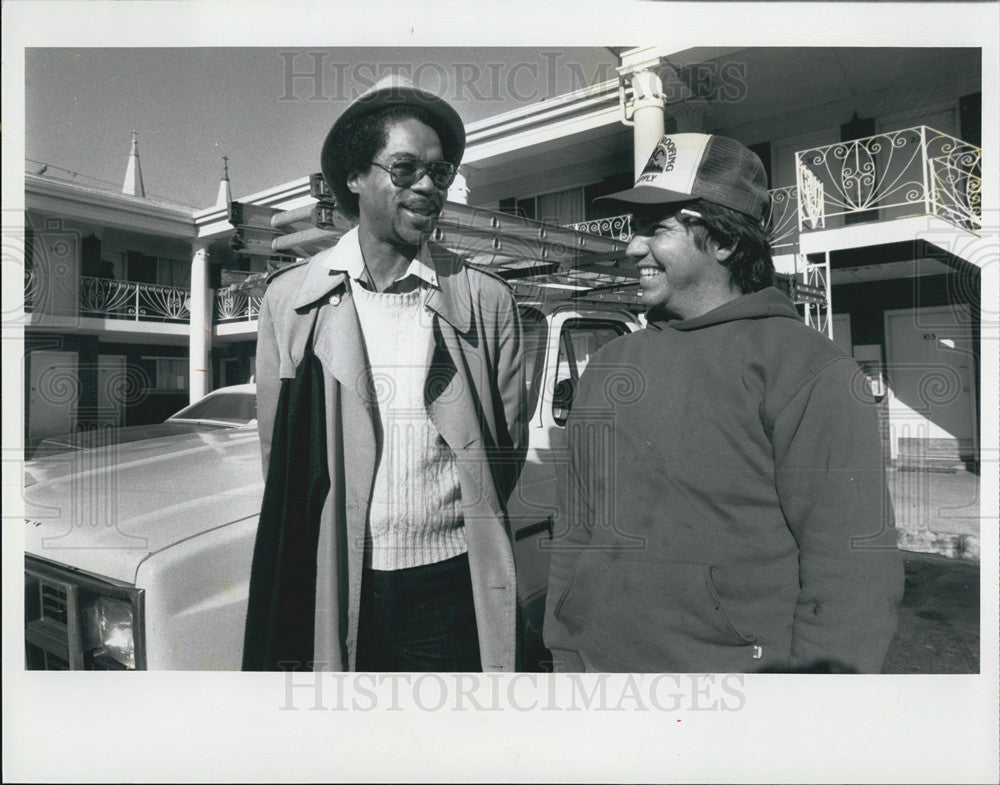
pixel 562 400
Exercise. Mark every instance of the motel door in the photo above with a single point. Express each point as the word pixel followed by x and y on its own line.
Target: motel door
pixel 111 389
pixel 52 395
pixel 931 375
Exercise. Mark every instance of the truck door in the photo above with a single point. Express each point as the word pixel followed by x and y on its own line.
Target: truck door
pixel 559 346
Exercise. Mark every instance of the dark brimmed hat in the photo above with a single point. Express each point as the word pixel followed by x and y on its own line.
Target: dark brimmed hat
pixel 393 90
pixel 717 169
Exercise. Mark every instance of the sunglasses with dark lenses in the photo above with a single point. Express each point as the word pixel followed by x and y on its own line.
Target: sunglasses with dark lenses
pixel 408 171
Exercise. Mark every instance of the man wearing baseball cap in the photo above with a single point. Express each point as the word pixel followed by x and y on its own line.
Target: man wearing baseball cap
pixel 390 408
pixel 724 506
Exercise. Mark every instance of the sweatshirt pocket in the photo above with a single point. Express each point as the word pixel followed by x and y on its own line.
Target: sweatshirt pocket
pixel 633 611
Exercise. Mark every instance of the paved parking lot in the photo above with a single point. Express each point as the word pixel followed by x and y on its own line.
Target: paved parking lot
pixel 938 618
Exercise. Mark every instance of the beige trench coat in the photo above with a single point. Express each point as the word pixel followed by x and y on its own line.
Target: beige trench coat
pixel 477 388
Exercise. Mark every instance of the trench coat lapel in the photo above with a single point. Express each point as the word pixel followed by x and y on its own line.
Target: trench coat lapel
pixel 450 390
pixel 339 346
pixel 338 342
pixel 452 299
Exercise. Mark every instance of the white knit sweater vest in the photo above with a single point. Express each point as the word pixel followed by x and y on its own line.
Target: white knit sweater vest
pixel 415 514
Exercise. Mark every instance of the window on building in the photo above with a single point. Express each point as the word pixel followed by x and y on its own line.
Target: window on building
pixel 561 207
pixel 173 272
pixel 523 207
pixel 143 268
pixel 165 374
pixel 763 151
pixel 609 185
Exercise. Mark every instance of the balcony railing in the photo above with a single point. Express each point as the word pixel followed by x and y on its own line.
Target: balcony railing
pixel 135 301
pixel 897 174
pixel 110 299
pixel 783 225
pixel 237 306
pixel 617 227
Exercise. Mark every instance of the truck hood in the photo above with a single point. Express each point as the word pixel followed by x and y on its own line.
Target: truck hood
pixel 105 510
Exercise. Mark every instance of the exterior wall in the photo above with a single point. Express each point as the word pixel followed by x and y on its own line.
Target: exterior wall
pixel 53 255
pixel 144 403
pixel 61 250
pixel 867 305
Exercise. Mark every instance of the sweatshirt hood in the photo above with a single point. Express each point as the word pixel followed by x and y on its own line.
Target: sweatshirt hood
pixel 766 303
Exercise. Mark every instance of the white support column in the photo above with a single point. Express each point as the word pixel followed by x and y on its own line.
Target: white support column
pixel 200 306
pixel 647 116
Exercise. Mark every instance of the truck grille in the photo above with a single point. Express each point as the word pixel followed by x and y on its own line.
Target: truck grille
pixel 56 634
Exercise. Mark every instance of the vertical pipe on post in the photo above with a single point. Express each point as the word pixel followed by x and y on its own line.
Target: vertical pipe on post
pixel 827 287
pixel 930 198
pixel 200 335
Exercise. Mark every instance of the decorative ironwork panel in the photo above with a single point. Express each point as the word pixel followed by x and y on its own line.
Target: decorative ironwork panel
pixel 107 297
pixel 956 180
pixel 137 301
pixel 783 227
pixel 910 172
pixel 236 306
pixel 163 302
pixel 618 227
pixel 811 205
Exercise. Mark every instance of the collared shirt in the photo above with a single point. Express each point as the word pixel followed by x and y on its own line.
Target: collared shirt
pixel 346 257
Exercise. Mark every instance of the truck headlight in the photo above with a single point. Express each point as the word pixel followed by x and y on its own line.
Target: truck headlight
pixel 110 625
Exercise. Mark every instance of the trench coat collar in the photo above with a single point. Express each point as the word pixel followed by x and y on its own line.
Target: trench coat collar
pixel 451 298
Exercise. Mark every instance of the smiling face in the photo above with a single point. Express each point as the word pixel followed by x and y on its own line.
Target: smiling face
pixel 400 217
pixel 674 273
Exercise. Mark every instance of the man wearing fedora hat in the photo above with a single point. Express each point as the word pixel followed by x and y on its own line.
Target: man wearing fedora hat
pixel 389 403
pixel 729 511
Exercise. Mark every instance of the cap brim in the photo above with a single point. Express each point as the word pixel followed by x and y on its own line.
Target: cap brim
pixel 646 194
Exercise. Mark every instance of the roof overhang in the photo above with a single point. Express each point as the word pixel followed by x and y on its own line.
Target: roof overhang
pixel 120 211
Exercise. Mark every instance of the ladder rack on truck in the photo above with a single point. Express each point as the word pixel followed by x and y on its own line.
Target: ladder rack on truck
pixel 541 261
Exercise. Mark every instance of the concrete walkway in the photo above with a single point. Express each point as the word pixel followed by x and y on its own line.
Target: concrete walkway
pixel 936 512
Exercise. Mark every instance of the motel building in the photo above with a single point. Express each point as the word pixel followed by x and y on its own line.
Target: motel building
pixel 133 306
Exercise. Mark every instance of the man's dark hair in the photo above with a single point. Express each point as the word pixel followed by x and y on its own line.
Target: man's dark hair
pixel 364 138
pixel 750 265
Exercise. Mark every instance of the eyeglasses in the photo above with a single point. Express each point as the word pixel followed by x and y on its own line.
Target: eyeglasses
pixel 408 171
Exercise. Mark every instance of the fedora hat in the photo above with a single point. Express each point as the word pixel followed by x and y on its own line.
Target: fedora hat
pixel 392 90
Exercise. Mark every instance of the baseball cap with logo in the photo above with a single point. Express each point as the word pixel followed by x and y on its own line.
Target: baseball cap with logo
pixel 717 169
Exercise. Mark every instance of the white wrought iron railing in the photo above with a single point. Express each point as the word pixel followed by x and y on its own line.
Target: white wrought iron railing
pixel 236 306
pixel 783 227
pixel 914 171
pixel 618 227
pixel 135 301
pixel 957 182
